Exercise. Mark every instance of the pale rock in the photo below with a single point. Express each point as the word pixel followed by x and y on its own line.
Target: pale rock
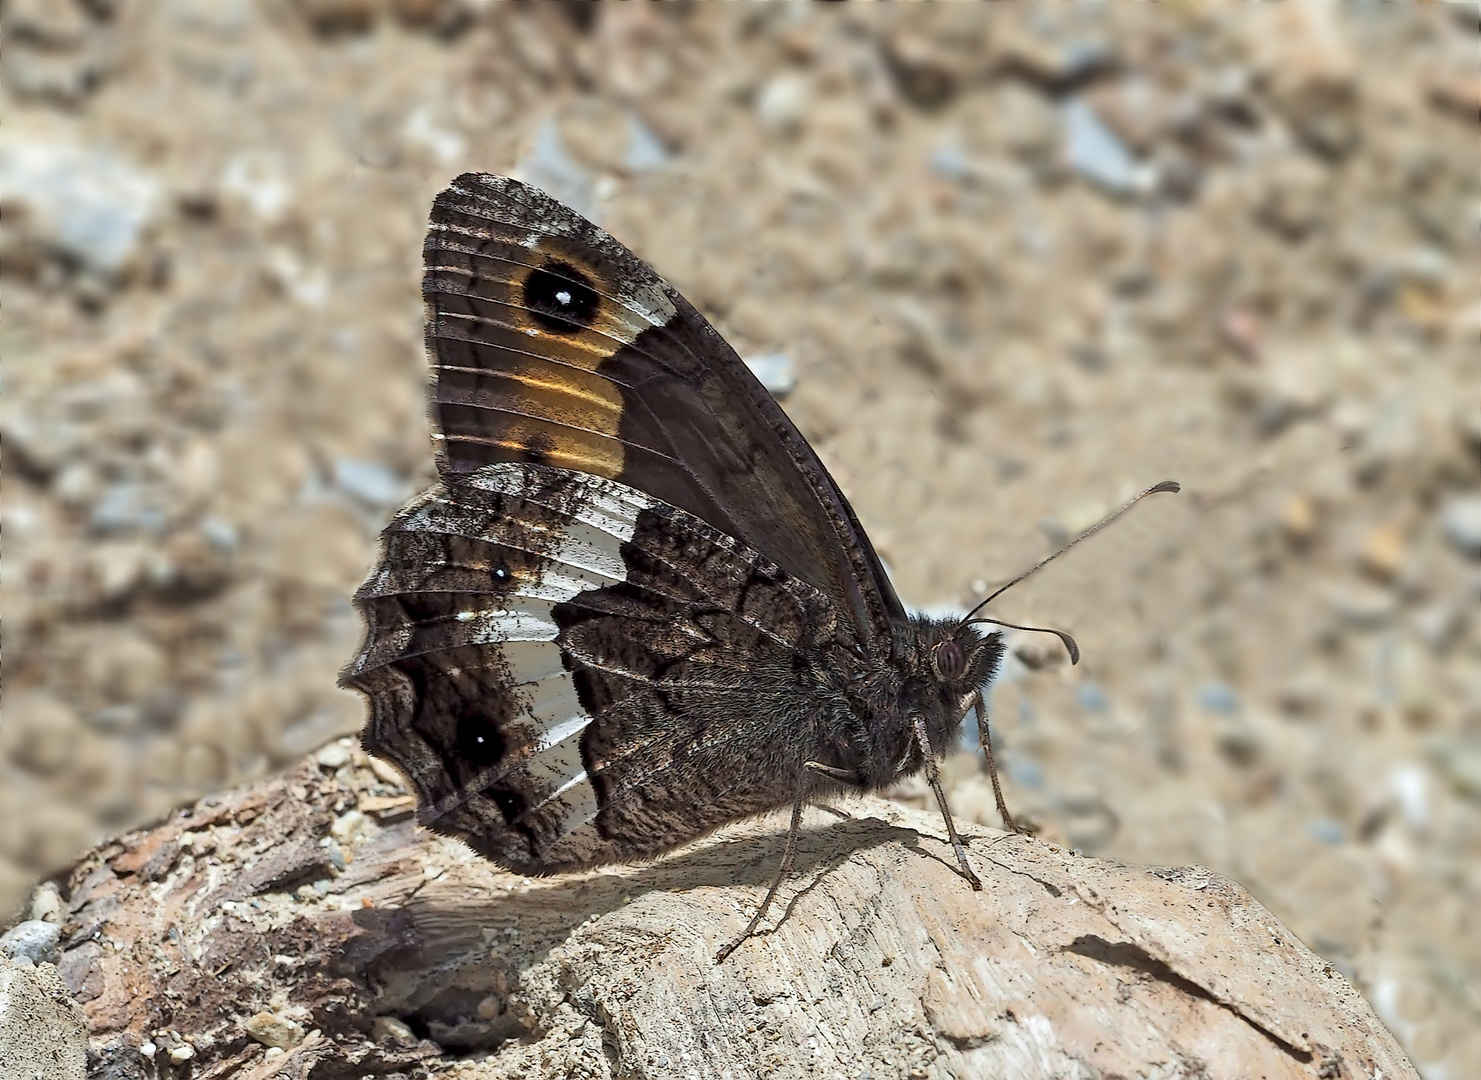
pixel 1362 607
pixel 273 1029
pixel 35 940
pixel 389 1029
pixel 87 204
pixel 1094 151
pixel 776 371
pixel 334 756
pixel 46 904
pixel 783 103
pixel 351 825
pixel 550 167
pixel 1460 521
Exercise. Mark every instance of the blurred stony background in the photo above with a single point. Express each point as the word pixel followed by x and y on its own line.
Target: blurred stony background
pixel 1012 263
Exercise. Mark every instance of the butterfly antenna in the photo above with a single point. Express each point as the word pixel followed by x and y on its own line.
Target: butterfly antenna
pixel 1171 486
pixel 1069 642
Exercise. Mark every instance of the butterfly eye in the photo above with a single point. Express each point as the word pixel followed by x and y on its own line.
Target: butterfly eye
pixel 948 661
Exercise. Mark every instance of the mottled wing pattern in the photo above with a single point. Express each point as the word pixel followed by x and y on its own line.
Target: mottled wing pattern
pixel 559 664
pixel 553 344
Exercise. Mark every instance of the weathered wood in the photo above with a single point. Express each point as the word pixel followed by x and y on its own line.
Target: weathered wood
pixel 285 913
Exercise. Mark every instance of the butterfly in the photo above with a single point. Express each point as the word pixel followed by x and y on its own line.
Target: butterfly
pixel 635 607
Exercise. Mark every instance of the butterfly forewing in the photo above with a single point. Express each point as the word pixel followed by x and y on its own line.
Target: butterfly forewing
pixel 552 344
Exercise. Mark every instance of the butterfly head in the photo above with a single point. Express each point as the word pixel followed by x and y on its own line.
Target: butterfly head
pixel 938 665
pixel 946 661
pixel 954 658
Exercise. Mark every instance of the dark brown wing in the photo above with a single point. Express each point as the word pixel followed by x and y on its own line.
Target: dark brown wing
pixel 553 344
pixel 570 672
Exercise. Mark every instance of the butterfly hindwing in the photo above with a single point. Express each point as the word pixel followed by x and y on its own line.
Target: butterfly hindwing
pixel 553 344
pixel 569 671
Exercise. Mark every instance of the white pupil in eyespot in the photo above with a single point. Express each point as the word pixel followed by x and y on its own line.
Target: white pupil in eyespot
pixel 563 298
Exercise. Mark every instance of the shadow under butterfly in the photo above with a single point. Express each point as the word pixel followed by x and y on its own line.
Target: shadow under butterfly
pixel 635 607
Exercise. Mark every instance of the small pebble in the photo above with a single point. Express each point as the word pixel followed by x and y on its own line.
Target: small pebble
pixel 334 756
pixel 255 181
pixel 181 1054
pixel 1468 426
pixel 1022 770
pixel 924 76
pixel 46 905
pixel 386 774
pixel 390 1029
pixel 1438 624
pixel 1298 518
pixel 443 143
pixel 783 103
pixel 1362 607
pixel 128 508
pixel 1219 698
pixel 350 825
pixel 1327 831
pixel 1459 760
pixel 1095 152
pixel 274 1029
pixel 1055 65
pixel 1383 552
pixel 89 204
pixel 550 167
pixel 1460 521
pixel 33 939
pixel 1237 741
pixel 645 150
pixel 219 533
pixel 148 1049
pixel 1092 697
pixel 776 371
pixel 1081 515
pixel 368 481
pixel 1028 126
pixel 1409 783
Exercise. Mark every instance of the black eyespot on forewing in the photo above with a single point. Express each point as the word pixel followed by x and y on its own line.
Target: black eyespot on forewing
pixel 561 298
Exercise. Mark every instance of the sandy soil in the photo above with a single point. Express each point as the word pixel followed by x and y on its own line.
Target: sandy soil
pixel 1023 262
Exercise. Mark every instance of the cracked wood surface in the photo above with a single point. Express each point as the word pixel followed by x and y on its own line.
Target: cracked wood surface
pixel 372 947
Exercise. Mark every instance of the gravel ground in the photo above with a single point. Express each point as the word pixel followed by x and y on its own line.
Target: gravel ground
pixel 1019 263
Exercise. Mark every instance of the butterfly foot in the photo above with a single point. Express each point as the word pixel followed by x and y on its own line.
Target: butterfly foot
pixel 1017 827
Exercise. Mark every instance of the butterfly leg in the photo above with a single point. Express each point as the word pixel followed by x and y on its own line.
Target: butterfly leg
pixel 933 776
pixel 788 857
pixel 985 738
